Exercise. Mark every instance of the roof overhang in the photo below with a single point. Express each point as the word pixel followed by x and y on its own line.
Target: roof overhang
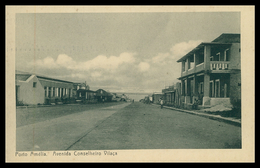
pixel 200 46
pixel 172 91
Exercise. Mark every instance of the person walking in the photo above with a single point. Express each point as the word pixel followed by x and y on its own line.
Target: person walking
pixel 161 102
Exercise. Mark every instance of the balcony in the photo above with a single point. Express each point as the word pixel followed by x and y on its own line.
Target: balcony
pixel 219 65
pixel 200 67
pixel 197 68
pixel 215 67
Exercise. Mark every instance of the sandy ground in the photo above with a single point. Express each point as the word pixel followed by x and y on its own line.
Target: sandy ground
pixel 124 126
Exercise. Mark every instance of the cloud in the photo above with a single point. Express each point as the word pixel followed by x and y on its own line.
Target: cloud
pixel 47 62
pixel 108 63
pixel 176 51
pixel 78 75
pixel 180 49
pixel 143 66
pixel 65 61
pixel 99 62
pixel 160 58
pixel 96 74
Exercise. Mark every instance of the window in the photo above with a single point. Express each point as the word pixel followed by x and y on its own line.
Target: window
pixel 211 88
pixel 34 84
pixel 53 92
pixel 61 92
pixel 186 64
pixel 200 89
pixel 45 90
pixel 183 66
pixel 59 89
pixel 226 54
pixel 225 90
pixel 49 92
pixel 217 88
pixel 191 62
pixel 218 56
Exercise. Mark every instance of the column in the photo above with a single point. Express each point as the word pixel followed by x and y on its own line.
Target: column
pixel 206 98
pixel 207 53
pixel 195 85
pixel 186 89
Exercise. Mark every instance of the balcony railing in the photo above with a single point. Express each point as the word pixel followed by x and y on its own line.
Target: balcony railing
pixel 200 67
pixel 214 65
pixel 219 65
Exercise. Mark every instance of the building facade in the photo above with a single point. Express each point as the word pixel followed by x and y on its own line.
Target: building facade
pixel 55 89
pixel 156 97
pixel 37 89
pixel 84 94
pixel 103 96
pixel 169 95
pixel 28 89
pixel 211 72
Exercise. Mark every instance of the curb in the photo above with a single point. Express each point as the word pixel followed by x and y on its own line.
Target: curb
pixel 210 116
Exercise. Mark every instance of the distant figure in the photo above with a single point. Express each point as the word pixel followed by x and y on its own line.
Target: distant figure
pixel 133 100
pixel 103 100
pixel 195 104
pixel 161 102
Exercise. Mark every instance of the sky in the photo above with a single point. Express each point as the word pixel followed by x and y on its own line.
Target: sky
pixel 118 52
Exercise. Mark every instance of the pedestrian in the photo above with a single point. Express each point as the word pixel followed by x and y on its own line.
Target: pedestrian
pixel 161 102
pixel 103 100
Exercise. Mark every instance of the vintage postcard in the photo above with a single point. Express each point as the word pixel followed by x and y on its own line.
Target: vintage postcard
pixel 130 84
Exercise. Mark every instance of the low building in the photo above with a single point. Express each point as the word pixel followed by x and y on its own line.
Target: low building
pixel 56 90
pixel 86 96
pixel 169 95
pixel 38 89
pixel 28 89
pixel 156 96
pixel 102 95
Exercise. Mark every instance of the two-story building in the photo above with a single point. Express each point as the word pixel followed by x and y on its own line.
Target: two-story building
pixel 211 72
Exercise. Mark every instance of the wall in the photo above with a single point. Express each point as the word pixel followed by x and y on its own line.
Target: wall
pixel 156 98
pixel 28 94
pixel 216 101
pixel 56 84
pixel 235 89
pixel 235 59
pixel 177 100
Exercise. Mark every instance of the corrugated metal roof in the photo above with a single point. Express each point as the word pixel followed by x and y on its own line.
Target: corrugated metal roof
pixel 223 39
pixel 22 77
pixel 201 45
pixel 228 38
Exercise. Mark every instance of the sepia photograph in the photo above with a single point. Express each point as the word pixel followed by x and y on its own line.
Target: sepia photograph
pixel 92 84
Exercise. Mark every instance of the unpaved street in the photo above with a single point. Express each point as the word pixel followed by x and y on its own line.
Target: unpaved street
pixel 127 126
